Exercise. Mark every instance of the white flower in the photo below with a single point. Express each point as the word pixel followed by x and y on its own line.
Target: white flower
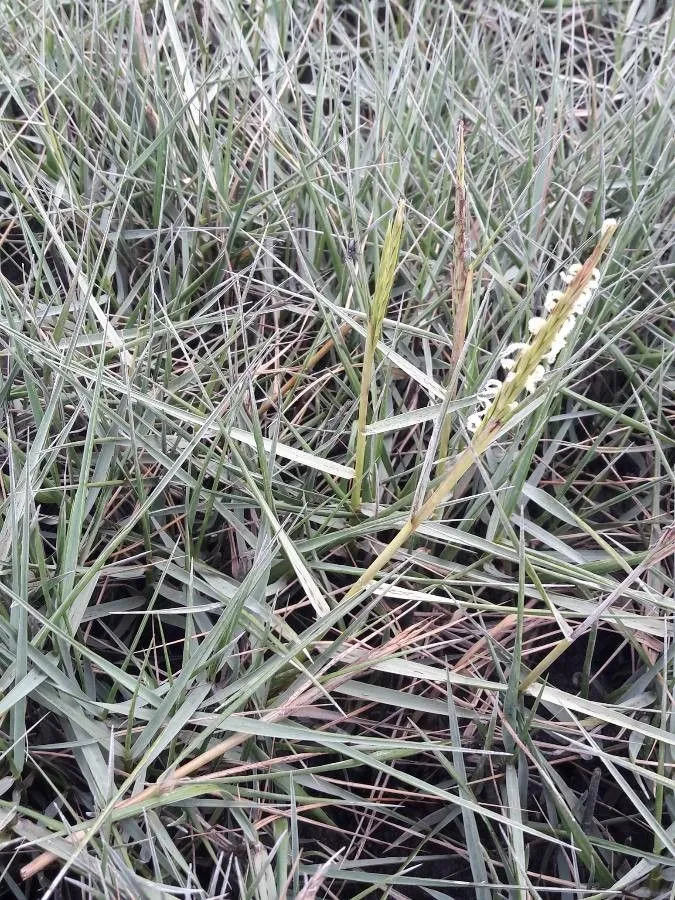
pixel 534 379
pixel 606 225
pixel 474 422
pixel 559 342
pixel 491 388
pixel 582 302
pixel 564 324
pixel 535 324
pixel 566 327
pixel 551 299
pixel 514 348
pixel 569 276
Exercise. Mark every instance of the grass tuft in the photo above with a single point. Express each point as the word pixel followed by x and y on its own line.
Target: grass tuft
pixel 326 569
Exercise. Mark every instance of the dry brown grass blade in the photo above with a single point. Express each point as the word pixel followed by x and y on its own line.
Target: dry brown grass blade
pixel 313 360
pixel 461 273
pixel 311 889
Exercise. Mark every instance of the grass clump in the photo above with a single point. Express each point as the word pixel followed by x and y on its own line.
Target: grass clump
pixel 241 654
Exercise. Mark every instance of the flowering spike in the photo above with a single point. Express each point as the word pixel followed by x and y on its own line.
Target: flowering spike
pixel 524 365
pixel 489 427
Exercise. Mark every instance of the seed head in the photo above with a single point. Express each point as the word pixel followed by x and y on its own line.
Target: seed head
pixel 525 364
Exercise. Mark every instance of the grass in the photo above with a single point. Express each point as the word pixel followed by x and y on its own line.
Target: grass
pixel 215 678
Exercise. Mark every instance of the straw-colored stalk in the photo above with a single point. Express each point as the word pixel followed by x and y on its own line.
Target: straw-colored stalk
pixel 307 366
pixel 499 413
pixel 376 314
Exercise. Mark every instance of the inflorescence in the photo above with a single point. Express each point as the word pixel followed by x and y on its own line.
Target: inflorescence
pixel 508 362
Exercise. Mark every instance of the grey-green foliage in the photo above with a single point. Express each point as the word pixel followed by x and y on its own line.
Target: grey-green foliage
pixel 179 186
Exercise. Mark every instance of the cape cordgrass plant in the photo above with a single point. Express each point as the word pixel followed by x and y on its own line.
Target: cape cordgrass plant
pixel 499 399
pixel 189 703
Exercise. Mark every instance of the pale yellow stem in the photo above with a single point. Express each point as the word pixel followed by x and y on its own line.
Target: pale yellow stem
pixel 461 465
pixel 360 453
